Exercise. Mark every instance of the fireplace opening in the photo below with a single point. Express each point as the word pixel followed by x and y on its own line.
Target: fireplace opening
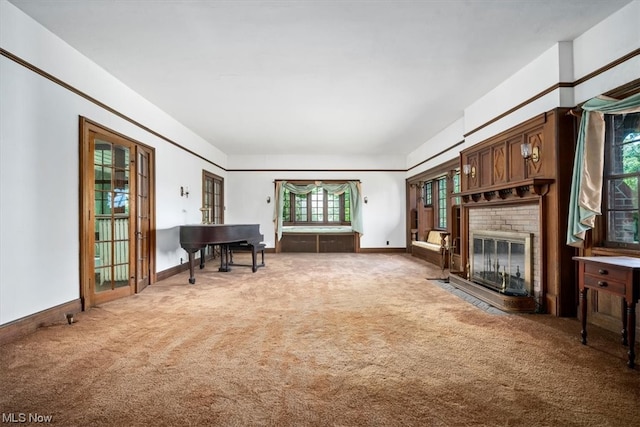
pixel 502 261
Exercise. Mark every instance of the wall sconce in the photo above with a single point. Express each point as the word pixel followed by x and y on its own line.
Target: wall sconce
pixel 268 199
pixel 469 170
pixel 184 191
pixel 530 153
pixel 366 200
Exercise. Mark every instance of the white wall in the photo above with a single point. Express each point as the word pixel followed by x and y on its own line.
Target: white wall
pixel 448 137
pixel 38 261
pixel 606 42
pixel 247 192
pixel 566 61
pixel 382 179
pixel 39 169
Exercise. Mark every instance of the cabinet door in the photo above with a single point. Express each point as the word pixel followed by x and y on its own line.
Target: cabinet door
pixel 605 310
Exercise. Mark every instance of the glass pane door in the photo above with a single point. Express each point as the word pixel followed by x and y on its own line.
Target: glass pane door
pixel 112 215
pixel 212 199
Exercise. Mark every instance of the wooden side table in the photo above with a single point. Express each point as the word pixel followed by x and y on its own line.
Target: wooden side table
pixel 616 275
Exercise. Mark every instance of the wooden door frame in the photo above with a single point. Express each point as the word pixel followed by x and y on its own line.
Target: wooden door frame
pixel 210 175
pixel 151 207
pixel 86 235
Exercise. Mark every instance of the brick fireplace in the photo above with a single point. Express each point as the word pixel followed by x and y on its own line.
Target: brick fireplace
pixel 519 219
pixel 501 261
pixel 503 268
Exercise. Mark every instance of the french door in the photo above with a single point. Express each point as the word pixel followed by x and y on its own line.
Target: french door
pixel 116 215
pixel 143 218
pixel 212 198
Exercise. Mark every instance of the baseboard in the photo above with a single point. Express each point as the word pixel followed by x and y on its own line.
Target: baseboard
pixel 29 324
pixel 172 271
pixel 383 250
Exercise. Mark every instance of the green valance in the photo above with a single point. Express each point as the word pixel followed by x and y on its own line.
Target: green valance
pixel 586 187
pixel 336 189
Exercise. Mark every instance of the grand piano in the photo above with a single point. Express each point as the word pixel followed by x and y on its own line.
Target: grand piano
pixel 194 238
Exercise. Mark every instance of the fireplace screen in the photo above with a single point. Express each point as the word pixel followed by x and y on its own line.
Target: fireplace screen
pixel 502 261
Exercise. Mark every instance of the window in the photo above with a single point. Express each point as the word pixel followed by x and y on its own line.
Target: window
pixel 441 185
pixel 621 206
pixel 456 186
pixel 428 193
pixel 316 207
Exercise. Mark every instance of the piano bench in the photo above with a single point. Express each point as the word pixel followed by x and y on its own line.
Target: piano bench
pixel 247 247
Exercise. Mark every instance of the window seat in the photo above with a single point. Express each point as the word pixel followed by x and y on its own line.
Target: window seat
pixel 431 250
pixel 315 229
pixel 319 238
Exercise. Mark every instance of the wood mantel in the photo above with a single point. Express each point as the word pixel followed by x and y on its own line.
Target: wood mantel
pixel 537 186
pixel 499 176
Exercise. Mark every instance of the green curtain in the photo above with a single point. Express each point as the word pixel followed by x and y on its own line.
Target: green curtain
pixel 586 186
pixel 337 189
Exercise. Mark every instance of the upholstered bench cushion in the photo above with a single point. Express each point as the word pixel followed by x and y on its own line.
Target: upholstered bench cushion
pixel 426 245
pixel 431 249
pixel 433 242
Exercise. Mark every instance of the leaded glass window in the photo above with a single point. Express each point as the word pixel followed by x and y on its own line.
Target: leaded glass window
pixel 621 206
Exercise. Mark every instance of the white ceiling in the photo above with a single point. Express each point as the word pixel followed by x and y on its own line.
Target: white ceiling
pixel 315 77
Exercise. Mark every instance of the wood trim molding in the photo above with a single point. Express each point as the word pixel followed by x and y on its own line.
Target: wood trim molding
pixel 100 104
pixel 625 90
pixel 172 271
pixel 56 80
pixel 437 154
pixel 535 121
pixel 383 250
pixel 559 85
pixel 177 269
pixel 29 324
pixel 435 172
pixel 316 170
pixel 519 106
pixel 607 67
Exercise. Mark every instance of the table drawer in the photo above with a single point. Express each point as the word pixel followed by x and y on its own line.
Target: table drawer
pixel 606 272
pixel 604 283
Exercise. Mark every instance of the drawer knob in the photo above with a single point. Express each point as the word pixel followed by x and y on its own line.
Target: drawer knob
pixel 603 284
pixel 603 271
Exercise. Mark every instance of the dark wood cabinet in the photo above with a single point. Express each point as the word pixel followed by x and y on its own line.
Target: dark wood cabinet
pixel 618 276
pixel 319 242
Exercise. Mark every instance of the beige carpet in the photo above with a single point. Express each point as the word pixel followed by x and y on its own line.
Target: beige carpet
pixel 316 340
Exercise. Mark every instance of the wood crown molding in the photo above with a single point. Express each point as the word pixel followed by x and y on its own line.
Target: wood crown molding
pixel 72 89
pixel 100 104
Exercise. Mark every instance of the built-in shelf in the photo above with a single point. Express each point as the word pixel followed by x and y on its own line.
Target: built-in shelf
pixel 536 186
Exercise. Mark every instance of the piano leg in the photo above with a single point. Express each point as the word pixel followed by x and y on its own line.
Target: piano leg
pixel 224 258
pixel 254 266
pixel 202 251
pixel 192 278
